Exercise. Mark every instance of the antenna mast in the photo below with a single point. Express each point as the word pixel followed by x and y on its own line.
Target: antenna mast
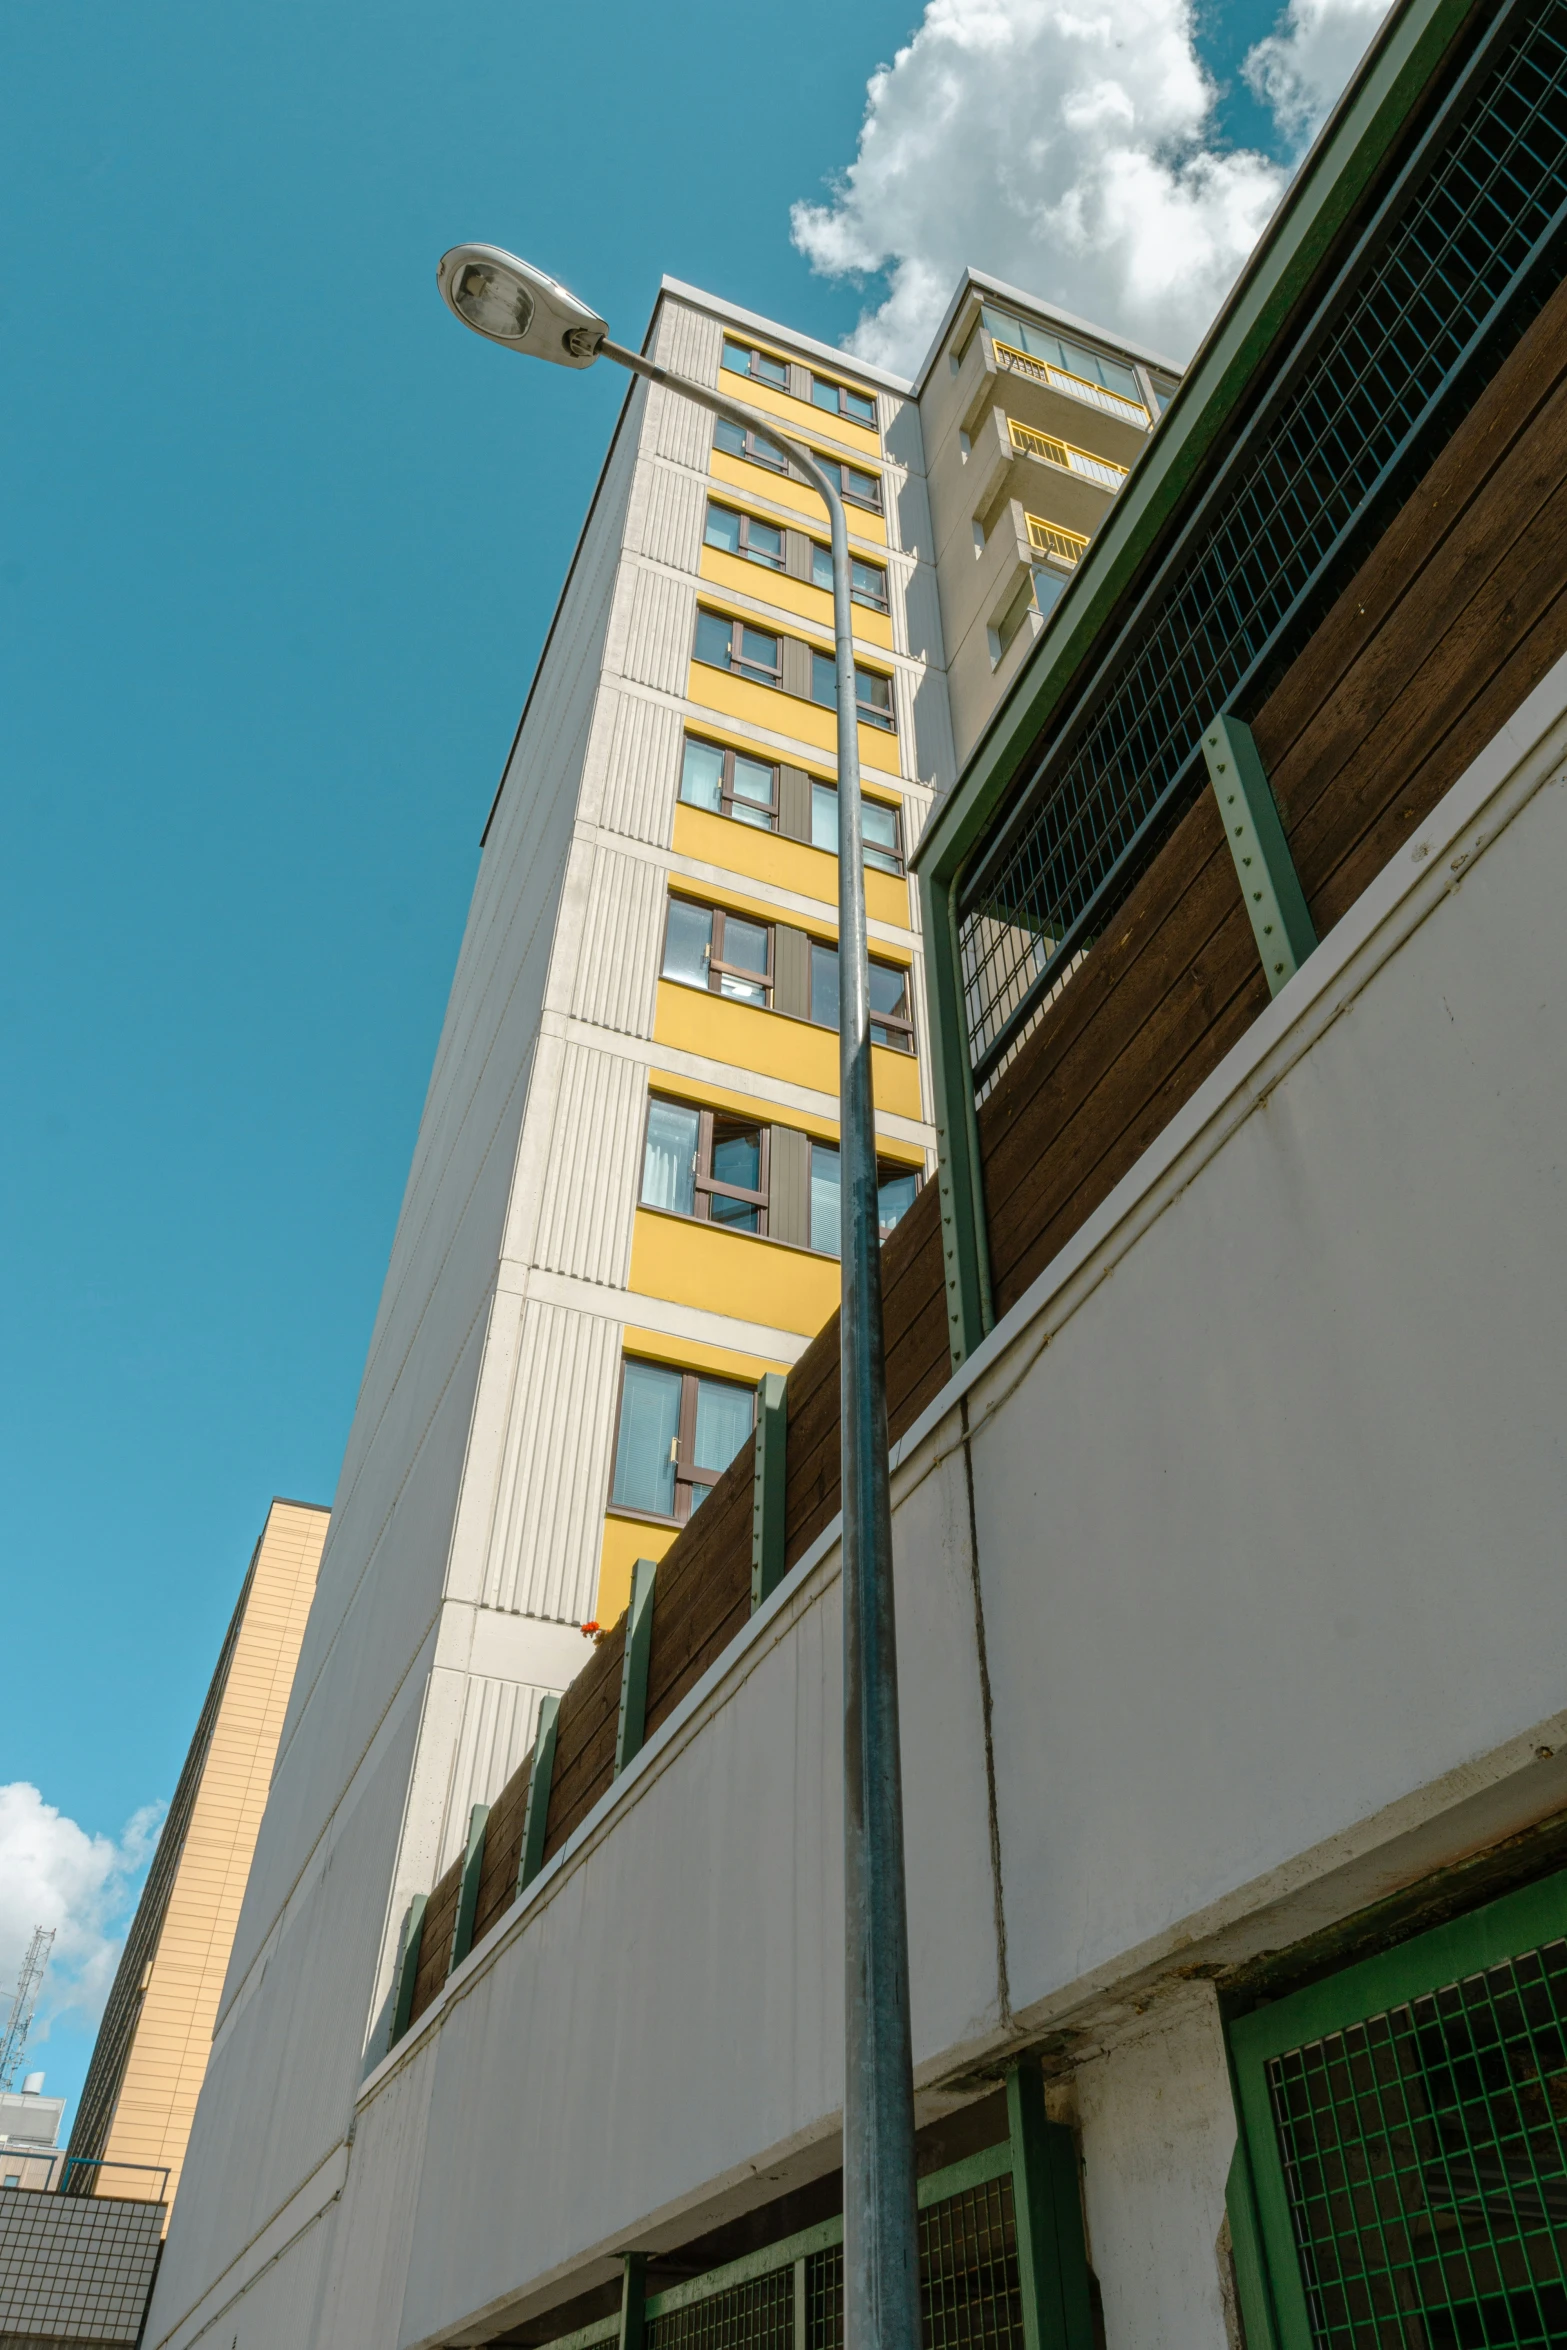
pixel 19 2021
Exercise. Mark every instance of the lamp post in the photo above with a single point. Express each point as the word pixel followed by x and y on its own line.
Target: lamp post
pixel 519 307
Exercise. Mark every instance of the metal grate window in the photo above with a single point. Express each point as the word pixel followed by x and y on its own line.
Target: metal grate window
pixel 758 2315
pixel 1425 2162
pixel 968 2277
pixel 1444 264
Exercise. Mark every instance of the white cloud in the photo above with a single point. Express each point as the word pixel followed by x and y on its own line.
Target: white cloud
pixel 52 1873
pixel 1067 147
pixel 1299 70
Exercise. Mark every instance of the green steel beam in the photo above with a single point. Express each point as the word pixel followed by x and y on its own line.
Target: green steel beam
pixel 965 1254
pixel 633 2298
pixel 1270 885
pixel 1251 2265
pixel 768 1487
pixel 468 1886
pixel 1052 2260
pixel 536 1813
pixel 633 1665
pixel 408 1966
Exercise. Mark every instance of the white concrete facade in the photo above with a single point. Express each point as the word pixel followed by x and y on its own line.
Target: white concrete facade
pixel 1185 1559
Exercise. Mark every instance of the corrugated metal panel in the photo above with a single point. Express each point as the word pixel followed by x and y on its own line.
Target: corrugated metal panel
pixel 659 622
pixel 642 769
pixel 585 1215
pixel 678 430
pixel 550 1508
pixel 674 516
pixel 617 977
pixel 689 342
pixel 498 1722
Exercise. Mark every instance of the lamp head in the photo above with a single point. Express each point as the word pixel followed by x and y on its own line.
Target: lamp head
pixel 510 303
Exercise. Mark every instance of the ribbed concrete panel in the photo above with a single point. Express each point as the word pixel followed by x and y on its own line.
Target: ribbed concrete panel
pixel 549 1516
pixel 660 616
pixel 679 431
pixel 617 978
pixel 673 518
pixel 498 1722
pixel 642 768
pixel 689 343
pixel 585 1226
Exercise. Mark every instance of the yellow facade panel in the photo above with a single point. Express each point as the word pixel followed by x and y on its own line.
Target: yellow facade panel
pixel 872 629
pixel 809 723
pixel 870 529
pixel 774 1046
pixel 787 864
pixel 696 1264
pixel 625 1541
pixel 803 418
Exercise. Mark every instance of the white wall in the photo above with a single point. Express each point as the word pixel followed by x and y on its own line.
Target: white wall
pixel 1268 1487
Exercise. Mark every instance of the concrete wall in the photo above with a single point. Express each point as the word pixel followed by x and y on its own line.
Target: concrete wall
pixel 1267 1484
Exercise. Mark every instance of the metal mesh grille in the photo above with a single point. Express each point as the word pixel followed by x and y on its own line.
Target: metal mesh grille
pixel 1425 2160
pixel 758 2315
pixel 1434 280
pixel 968 2277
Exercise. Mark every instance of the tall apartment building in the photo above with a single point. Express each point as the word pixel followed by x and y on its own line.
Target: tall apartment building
pixel 134 2117
pixel 622 1210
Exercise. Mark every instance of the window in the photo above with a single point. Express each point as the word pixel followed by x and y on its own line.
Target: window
pixel 1057 351
pixel 677 1435
pixel 760 366
pixel 1164 391
pixel 895 1190
pixel 890 1022
pixel 705 947
pixel 1013 617
pixel 740 441
pixel 706 1164
pixel 729 784
pixel 855 484
pixel 867 581
pixel 872 691
pixel 839 400
pixel 744 534
pixel 879 828
pixel 738 647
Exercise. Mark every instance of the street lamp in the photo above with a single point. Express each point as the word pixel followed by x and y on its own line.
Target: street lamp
pixel 517 306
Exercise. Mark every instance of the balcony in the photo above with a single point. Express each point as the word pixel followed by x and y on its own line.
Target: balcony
pixel 1075 387
pixel 1065 457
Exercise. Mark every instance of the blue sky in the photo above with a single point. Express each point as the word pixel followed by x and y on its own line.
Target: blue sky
pixel 280 546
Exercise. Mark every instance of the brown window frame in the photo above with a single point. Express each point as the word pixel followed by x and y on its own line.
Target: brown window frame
pixel 726 791
pixel 894 808
pixel 751 671
pixel 706 1184
pixel 830 383
pixel 756 448
pixel 843 469
pixel 857 563
pixel 686 1475
pixel 716 966
pixel 902 1022
pixel 743 552
pixel 753 352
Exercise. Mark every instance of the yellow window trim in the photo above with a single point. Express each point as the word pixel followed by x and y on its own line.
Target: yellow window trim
pixel 701 1094
pixel 734 901
pixel 729 738
pixel 715 600
pixel 694 1354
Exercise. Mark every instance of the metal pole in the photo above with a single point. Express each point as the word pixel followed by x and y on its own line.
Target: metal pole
pixel 881 2304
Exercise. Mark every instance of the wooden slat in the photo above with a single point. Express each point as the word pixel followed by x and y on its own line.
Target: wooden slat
pixel 502 1850
pixel 435 1947
pixel 704 1590
pixel 585 1740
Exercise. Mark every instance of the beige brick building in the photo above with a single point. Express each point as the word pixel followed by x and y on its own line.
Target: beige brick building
pixel 152 2048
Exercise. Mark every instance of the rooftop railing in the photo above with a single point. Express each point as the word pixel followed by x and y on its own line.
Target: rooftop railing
pixel 1076 387
pixel 1087 467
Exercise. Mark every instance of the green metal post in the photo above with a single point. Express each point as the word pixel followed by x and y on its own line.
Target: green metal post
pixel 1251 2267
pixel 965 1255
pixel 767 1490
pixel 633 2301
pixel 633 1665
pixel 408 1966
pixel 536 1812
pixel 1052 2259
pixel 1264 867
pixel 468 1886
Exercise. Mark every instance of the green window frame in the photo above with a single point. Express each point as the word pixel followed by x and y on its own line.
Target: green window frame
pixel 1401 2172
